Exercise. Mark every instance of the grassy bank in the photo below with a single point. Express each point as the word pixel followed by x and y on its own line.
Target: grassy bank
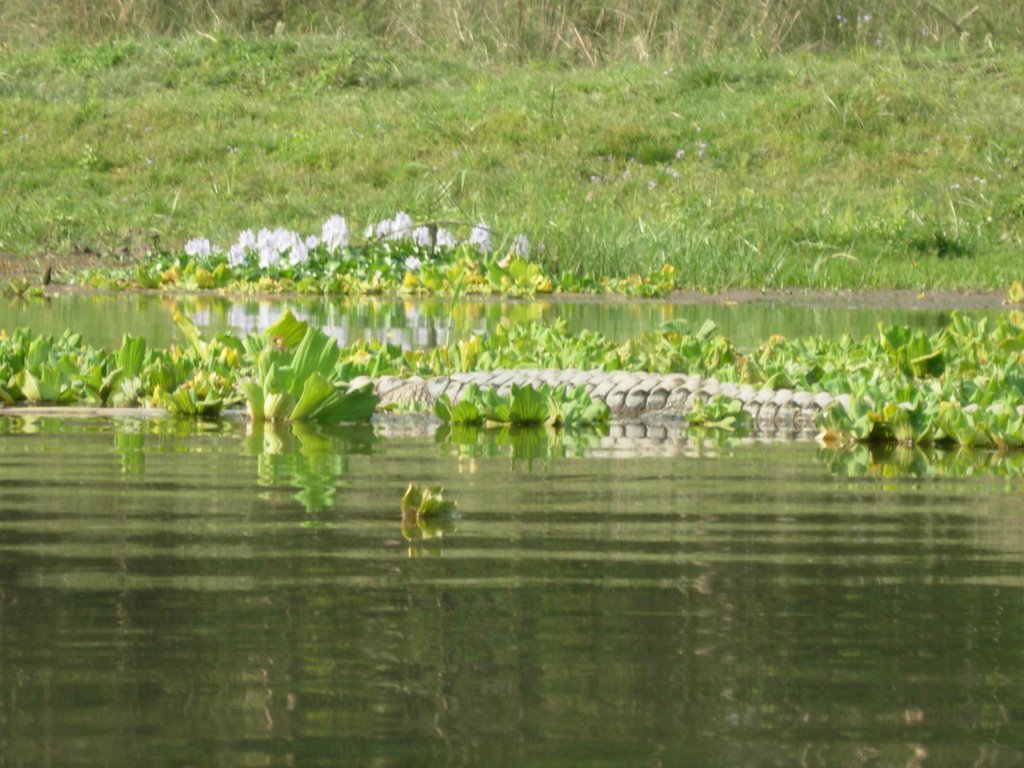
pixel 866 166
pixel 588 32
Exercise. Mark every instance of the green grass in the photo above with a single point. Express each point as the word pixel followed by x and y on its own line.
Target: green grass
pixel 858 168
pixel 587 32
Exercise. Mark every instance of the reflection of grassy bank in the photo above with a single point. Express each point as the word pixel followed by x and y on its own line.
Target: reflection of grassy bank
pixel 892 461
pixel 866 167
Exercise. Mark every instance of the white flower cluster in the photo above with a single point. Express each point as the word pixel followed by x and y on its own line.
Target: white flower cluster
pixel 273 247
pixel 402 226
pixel 200 248
pixel 283 246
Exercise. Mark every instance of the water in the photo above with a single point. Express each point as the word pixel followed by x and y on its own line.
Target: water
pixel 178 595
pixel 418 323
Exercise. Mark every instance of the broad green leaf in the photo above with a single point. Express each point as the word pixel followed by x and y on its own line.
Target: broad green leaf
pixel 424 501
pixel 353 406
pixel 466 411
pixel 324 402
pixel 254 399
pixel 131 355
pixel 315 392
pixel 186 402
pixel 192 335
pixel 709 329
pixel 287 331
pixel 317 353
pixel 271 360
pixel 39 351
pixel 47 387
pixel 496 408
pixel 278 406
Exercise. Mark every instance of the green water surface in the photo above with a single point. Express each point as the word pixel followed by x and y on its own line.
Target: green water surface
pixel 102 319
pixel 174 594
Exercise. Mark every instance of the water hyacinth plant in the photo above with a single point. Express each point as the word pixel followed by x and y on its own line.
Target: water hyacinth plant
pixel 395 255
pixel 963 385
pixel 294 367
pixel 528 405
pixel 426 513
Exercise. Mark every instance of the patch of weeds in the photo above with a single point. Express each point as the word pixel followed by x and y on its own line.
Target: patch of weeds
pixel 942 245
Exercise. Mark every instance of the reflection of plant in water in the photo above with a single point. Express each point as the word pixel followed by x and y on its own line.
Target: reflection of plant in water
pixel 527 405
pixel 523 443
pixel 128 442
pixel 310 457
pixel 426 513
pixel 890 460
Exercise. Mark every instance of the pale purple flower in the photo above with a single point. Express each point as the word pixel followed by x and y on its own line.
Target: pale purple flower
pixel 445 239
pixel 421 236
pixel 247 239
pixel 298 253
pixel 481 238
pixel 412 264
pixel 401 226
pixel 521 246
pixel 269 257
pixel 334 234
pixel 272 245
pixel 236 256
pixel 243 246
pixel 199 248
pixel 391 229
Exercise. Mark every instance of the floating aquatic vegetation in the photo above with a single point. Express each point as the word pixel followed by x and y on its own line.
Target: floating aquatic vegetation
pixel 1015 293
pixel 963 385
pixel 396 254
pixel 294 367
pixel 719 412
pixel 523 406
pixel 426 513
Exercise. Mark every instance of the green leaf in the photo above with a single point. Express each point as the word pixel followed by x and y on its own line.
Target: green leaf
pixel 466 412
pixel 355 405
pixel 496 408
pixel 192 335
pixel 529 406
pixel 424 501
pixel 709 329
pixel 323 402
pixel 287 331
pixel 47 387
pixel 186 402
pixel 278 406
pixel 254 399
pixel 131 355
pixel 578 408
pixel 316 354
pixel 316 391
